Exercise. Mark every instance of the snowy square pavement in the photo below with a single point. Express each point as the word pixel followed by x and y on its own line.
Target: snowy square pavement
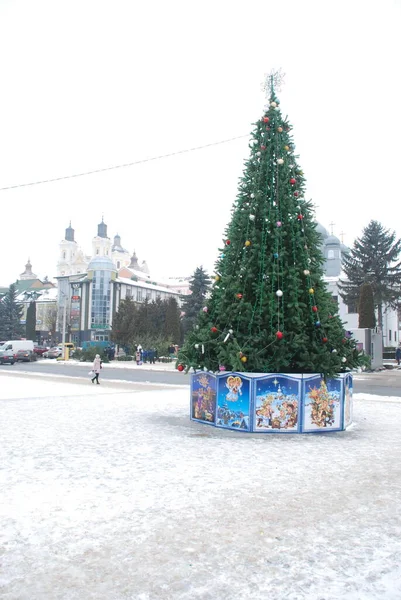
pixel 109 494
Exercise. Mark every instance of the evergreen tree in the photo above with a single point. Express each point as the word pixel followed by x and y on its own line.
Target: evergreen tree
pixel 30 326
pixel 172 327
pixel 269 309
pixel 10 316
pixel 374 260
pixel 366 307
pixel 124 323
pixel 156 317
pixel 199 286
pixel 144 324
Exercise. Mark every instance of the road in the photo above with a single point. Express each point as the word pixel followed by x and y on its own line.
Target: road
pixel 384 383
pixel 139 374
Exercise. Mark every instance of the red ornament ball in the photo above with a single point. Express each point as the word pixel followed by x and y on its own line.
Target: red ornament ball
pixel 293 181
pixel 344 340
pixel 300 217
pixel 325 340
pixel 239 296
pixel 263 147
pixel 296 194
pixel 279 335
pixel 180 367
pixel 266 119
pixel 214 329
pixel 228 242
pixel 314 308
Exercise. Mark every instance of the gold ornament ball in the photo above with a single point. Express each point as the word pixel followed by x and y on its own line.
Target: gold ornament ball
pixel 244 359
pixel 247 243
pixel 286 148
pixel 217 278
pixel 311 291
pixel 280 129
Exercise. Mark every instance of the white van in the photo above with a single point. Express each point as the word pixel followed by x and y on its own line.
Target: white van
pixel 16 345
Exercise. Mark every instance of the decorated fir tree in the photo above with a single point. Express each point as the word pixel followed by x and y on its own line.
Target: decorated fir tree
pixel 269 309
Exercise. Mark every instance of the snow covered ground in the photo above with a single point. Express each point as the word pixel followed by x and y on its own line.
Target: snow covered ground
pixel 106 494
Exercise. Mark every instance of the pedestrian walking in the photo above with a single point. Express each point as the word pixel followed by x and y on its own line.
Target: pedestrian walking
pixel 398 355
pixel 97 365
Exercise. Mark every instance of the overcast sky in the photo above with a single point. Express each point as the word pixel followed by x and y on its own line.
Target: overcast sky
pixel 90 84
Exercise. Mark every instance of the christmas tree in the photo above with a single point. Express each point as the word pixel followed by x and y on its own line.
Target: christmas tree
pixel 269 310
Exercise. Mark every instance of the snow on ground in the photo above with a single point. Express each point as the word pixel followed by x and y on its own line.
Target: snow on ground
pixel 119 496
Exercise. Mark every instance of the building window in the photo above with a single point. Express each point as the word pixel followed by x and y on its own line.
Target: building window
pixel 97 250
pixel 352 308
pixel 395 336
pixel 118 264
pixel 389 335
pixel 139 295
pixel 335 299
pixel 128 293
pixel 330 254
pixel 64 255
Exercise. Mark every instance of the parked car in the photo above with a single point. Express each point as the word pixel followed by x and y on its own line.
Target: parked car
pixel 7 357
pixel 53 352
pixel 25 356
pixel 40 350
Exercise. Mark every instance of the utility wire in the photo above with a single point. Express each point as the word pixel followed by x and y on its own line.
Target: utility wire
pixel 131 164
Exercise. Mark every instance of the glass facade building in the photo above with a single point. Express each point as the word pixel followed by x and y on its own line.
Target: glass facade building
pixel 101 298
pixel 102 272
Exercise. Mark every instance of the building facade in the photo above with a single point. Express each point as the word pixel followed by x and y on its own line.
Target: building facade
pixel 90 299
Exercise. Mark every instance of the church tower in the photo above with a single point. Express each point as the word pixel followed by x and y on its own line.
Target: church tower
pixel 67 252
pixel 101 244
pixel 119 255
pixel 27 274
pixel 332 256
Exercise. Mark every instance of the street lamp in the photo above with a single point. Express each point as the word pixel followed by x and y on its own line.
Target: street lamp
pixel 64 322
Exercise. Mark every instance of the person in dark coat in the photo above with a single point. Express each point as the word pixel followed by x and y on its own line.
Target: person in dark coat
pixel 398 355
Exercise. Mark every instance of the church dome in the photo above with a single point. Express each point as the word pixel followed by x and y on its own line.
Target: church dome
pixel 101 263
pixel 116 247
pixel 322 230
pixel 332 240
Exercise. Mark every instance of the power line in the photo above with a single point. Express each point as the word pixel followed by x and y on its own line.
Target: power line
pixel 131 164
